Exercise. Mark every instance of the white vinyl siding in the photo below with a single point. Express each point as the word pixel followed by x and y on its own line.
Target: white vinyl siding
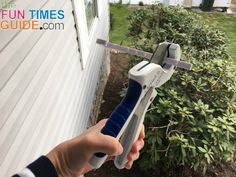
pixel 87 33
pixel 45 95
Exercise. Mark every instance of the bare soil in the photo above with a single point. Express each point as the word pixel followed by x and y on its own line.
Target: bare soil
pixel 117 81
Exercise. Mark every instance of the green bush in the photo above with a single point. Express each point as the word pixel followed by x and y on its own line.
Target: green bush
pixel 192 121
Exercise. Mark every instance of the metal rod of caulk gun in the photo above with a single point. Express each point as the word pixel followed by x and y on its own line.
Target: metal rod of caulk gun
pixel 143 54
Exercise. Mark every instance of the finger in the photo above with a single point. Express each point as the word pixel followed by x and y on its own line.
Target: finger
pixel 110 158
pixel 142 133
pixel 86 169
pixel 100 124
pixel 98 127
pixel 128 165
pixel 107 144
pixel 133 156
pixel 137 146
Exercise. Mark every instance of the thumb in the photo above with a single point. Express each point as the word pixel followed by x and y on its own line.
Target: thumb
pixel 108 145
pixel 100 125
pixel 105 143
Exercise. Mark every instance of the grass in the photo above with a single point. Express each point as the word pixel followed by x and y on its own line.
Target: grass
pixel 226 23
pixel 120 24
pixel 119 31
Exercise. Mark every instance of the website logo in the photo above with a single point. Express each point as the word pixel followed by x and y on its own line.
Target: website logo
pixel 33 19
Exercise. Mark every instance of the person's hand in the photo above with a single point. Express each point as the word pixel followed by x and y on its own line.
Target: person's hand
pixel 71 157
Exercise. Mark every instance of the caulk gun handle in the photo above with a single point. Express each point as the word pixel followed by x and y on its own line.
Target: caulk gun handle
pixel 132 131
pixel 119 119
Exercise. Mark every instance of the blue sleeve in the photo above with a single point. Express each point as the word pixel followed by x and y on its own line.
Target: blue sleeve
pixel 42 167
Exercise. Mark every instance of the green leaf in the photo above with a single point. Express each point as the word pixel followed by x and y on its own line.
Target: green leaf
pixel 202 149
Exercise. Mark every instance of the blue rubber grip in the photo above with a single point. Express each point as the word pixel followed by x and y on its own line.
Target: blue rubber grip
pixel 120 115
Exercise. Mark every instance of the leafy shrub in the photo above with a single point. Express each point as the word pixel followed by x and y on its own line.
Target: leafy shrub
pixel 192 121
